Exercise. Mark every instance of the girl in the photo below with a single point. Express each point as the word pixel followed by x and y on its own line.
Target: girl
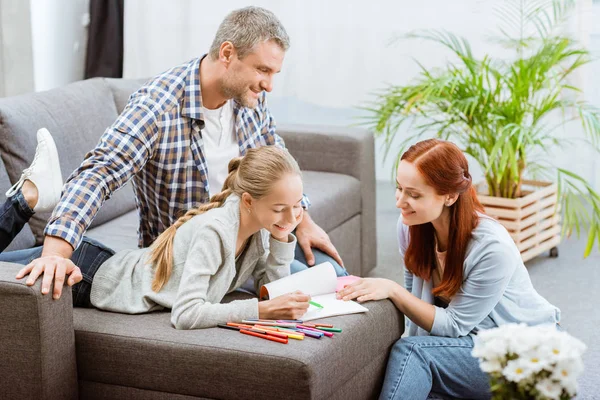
pixel 246 230
pixel 463 273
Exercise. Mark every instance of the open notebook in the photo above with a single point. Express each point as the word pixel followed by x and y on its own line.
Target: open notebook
pixel 320 283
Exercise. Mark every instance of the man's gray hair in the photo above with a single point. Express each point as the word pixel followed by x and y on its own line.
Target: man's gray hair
pixel 247 27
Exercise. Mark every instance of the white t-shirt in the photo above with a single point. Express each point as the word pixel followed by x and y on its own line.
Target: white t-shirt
pixel 220 144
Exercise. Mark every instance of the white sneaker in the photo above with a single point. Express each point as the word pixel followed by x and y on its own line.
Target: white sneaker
pixel 44 173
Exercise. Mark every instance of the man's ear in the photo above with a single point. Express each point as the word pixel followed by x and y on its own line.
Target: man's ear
pixel 226 52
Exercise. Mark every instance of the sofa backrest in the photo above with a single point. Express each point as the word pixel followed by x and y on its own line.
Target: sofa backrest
pixel 76 115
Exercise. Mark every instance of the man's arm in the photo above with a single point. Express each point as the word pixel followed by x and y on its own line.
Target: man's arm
pixel 122 151
pixel 308 233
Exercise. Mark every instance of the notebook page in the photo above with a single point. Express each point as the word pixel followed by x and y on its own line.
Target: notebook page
pixel 331 307
pixel 320 279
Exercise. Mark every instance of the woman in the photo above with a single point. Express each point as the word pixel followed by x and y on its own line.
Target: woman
pixel 246 230
pixel 463 273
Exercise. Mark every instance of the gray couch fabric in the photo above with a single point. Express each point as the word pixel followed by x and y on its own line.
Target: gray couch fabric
pixel 225 363
pixel 48 350
pixel 37 343
pixel 76 116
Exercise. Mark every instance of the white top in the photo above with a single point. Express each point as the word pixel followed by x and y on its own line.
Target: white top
pixel 220 144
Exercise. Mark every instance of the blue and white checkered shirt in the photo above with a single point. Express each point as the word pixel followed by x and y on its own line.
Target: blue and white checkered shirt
pixel 156 143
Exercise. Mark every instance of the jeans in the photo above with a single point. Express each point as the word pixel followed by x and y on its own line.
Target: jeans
pixel 444 366
pixel 88 256
pixel 14 214
pixel 300 264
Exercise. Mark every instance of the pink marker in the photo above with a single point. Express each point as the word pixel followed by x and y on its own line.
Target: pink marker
pixel 328 334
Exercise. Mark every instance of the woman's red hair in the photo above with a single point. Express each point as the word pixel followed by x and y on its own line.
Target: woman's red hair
pixel 445 168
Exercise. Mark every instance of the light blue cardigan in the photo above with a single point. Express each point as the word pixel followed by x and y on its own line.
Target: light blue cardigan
pixel 496 288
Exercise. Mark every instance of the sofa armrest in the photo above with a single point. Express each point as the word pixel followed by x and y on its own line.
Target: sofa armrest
pixel 348 151
pixel 37 341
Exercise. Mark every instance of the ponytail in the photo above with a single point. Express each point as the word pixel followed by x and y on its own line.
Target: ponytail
pixel 161 255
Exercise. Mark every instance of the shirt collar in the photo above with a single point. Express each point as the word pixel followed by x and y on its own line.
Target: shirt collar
pixel 192 98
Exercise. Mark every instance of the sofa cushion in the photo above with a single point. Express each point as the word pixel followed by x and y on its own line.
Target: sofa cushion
pixel 119 233
pixel 122 89
pixel 146 352
pixel 335 198
pixel 76 115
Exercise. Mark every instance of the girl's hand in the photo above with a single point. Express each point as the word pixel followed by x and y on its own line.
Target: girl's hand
pixel 367 289
pixel 288 306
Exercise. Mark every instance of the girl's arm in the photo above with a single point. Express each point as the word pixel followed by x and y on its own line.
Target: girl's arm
pixel 191 309
pixel 275 263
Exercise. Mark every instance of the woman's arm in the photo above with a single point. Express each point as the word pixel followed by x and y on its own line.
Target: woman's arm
pixel 420 312
pixel 480 292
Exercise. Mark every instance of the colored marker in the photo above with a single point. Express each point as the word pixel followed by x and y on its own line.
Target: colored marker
pixel 314 303
pixel 330 329
pixel 311 334
pixel 264 336
pixel 287 324
pixel 328 334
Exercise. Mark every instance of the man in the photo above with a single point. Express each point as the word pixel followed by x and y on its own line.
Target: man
pixel 174 140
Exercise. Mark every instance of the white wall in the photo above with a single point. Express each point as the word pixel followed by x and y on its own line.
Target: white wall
pixel 340 51
pixel 59 40
pixel 16 60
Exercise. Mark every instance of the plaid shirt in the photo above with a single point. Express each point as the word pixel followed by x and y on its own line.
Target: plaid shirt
pixel 156 143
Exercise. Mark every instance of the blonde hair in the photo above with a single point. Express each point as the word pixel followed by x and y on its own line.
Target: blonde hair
pixel 255 174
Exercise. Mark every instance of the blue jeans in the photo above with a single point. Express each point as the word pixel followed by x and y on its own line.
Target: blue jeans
pixel 419 365
pixel 14 214
pixel 88 256
pixel 300 264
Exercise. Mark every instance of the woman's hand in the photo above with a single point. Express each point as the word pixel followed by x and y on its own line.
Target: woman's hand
pixel 288 306
pixel 367 289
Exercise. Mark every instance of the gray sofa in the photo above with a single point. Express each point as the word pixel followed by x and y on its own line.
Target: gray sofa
pixel 49 350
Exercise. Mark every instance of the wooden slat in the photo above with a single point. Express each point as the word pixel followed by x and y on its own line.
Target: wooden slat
pixel 535 228
pixel 539 238
pixel 539 216
pixel 542 247
pixel 532 220
pixel 547 190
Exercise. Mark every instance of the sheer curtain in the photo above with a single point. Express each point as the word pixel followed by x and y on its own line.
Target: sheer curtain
pixel 340 49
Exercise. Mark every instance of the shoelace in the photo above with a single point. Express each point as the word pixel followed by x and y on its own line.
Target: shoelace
pixel 25 174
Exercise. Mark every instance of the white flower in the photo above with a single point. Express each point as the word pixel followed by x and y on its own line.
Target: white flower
pixel 516 370
pixel 489 366
pixel 534 361
pixel 562 346
pixel 550 389
pixel 566 372
pixel 494 348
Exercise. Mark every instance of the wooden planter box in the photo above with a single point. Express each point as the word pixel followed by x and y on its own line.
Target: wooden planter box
pixel 532 220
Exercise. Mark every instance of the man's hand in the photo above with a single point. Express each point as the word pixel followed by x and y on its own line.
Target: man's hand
pixel 53 264
pixel 311 235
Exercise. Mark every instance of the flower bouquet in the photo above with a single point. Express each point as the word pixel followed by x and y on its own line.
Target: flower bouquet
pixel 530 362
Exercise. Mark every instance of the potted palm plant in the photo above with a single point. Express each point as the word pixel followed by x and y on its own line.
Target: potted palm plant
pixel 506 115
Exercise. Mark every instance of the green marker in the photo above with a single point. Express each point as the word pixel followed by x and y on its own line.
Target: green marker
pixel 329 329
pixel 315 304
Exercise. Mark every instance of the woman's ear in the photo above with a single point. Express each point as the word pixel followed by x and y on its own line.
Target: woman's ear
pixel 247 200
pixel 451 199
